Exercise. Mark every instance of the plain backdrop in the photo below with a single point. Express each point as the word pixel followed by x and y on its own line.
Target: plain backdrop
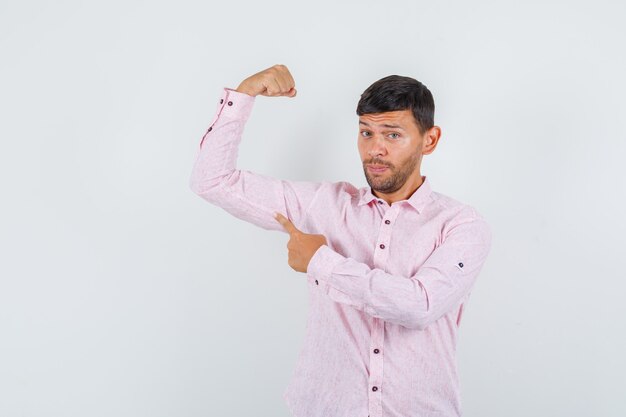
pixel 123 293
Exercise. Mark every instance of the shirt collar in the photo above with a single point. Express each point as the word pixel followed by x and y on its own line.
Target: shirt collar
pixel 418 199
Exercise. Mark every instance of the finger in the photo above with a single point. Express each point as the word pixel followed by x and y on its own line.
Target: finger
pixel 287 86
pixel 286 223
pixel 290 89
pixel 280 75
pixel 274 87
pixel 285 80
pixel 281 84
pixel 292 82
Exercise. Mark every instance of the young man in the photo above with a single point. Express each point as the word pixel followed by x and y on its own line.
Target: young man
pixel 389 267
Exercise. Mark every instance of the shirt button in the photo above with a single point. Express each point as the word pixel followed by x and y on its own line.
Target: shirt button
pixel 230 103
pixel 382 246
pixel 376 350
pixel 221 100
pixel 374 388
pixel 380 202
pixel 317 283
pixel 461 264
pixel 210 128
pixel 387 222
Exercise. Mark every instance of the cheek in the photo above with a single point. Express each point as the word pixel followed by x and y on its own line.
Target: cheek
pixel 361 148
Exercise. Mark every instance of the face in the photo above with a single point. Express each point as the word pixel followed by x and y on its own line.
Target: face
pixel 391 140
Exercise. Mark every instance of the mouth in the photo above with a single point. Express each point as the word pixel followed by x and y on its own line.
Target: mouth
pixel 376 168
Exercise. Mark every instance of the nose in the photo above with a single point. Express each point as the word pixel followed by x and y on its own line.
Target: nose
pixel 377 146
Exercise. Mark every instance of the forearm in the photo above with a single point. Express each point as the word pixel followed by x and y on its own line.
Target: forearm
pixel 391 298
pixel 217 156
pixel 416 301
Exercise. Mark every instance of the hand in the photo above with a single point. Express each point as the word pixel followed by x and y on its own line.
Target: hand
pixel 302 246
pixel 273 81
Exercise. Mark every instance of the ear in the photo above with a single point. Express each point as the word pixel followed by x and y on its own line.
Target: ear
pixel 431 138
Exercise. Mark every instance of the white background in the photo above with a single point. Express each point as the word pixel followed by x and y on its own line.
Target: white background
pixel 122 293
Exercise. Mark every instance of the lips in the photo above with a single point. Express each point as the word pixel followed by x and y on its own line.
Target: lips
pixel 376 168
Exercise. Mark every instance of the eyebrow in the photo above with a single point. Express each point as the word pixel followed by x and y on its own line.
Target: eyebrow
pixel 385 125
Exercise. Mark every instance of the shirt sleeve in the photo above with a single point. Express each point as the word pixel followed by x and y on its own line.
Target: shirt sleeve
pixel 440 283
pixel 249 196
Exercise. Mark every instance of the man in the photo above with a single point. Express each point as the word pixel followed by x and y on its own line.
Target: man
pixel 389 267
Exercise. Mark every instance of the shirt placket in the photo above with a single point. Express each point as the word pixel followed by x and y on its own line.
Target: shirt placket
pixel 381 255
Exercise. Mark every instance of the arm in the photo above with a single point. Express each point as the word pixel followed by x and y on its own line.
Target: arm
pixel 247 195
pixel 417 301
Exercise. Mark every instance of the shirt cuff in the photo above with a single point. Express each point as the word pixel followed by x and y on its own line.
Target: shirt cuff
pixel 235 104
pixel 232 106
pixel 321 265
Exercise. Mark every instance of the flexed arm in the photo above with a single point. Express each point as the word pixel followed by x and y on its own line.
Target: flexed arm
pixel 250 196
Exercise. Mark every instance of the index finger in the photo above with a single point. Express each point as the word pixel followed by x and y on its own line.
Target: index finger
pixel 286 223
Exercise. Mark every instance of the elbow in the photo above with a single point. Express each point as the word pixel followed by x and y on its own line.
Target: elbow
pixel 196 187
pixel 193 185
pixel 206 186
pixel 422 311
pixel 418 320
pixel 416 325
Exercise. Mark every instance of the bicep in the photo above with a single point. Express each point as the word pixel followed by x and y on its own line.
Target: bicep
pixel 254 198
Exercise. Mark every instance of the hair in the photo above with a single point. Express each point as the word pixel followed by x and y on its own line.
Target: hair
pixel 396 92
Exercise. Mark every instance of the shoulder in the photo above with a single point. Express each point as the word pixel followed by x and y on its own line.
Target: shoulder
pixel 454 212
pixel 341 189
pixel 456 208
pixel 335 194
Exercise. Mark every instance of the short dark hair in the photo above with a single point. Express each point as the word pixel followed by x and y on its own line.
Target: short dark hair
pixel 397 92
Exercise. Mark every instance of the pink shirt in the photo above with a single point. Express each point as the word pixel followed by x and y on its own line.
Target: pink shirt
pixel 387 293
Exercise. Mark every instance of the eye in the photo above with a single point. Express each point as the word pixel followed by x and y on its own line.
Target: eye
pixel 363 133
pixel 398 135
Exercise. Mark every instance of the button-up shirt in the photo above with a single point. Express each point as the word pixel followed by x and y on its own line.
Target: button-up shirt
pixel 385 295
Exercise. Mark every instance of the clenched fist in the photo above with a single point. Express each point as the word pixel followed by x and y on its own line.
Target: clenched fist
pixel 273 81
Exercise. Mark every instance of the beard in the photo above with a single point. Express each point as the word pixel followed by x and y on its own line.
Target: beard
pixel 393 178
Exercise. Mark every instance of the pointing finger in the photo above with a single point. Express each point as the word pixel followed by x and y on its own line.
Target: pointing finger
pixel 289 227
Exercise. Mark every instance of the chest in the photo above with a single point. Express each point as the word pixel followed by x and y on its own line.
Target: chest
pixel 396 239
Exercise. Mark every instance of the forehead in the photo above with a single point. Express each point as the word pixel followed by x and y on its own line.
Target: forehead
pixel 401 118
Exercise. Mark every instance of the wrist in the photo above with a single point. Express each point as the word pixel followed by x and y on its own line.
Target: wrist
pixel 243 89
